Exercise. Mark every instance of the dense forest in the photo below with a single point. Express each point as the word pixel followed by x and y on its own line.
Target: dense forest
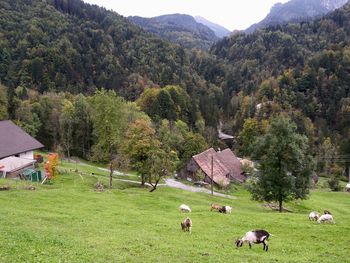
pixel 178 28
pixel 56 56
pixel 75 47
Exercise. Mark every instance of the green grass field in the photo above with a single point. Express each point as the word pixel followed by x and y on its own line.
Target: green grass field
pixel 68 221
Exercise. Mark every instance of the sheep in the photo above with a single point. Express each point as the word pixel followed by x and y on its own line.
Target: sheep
pixel 326 212
pixel 186 225
pixel 313 216
pixel 215 207
pixel 254 237
pixel 226 209
pixel 326 217
pixel 185 208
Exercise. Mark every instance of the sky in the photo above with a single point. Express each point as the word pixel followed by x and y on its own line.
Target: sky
pixel 232 14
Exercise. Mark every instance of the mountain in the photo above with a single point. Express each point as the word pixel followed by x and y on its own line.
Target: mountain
pixel 302 69
pixel 219 31
pixel 178 28
pixel 71 46
pixel 296 10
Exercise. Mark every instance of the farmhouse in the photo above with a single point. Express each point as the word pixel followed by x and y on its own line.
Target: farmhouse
pixel 226 167
pixel 16 150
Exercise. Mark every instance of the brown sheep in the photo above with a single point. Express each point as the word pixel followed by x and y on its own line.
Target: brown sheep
pixel 186 225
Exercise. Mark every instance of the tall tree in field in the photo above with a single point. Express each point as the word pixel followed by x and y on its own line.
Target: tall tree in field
pixel 285 164
pixel 109 122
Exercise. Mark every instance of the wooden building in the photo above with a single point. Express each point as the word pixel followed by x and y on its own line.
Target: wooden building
pixel 225 165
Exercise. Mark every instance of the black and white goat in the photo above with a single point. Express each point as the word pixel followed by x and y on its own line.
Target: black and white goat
pixel 254 237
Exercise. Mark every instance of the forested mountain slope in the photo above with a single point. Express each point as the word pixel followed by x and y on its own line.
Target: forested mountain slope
pixel 219 30
pixel 71 46
pixel 302 67
pixel 296 10
pixel 178 28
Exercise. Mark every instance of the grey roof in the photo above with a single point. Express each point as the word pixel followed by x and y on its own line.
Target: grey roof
pixel 14 140
pixel 11 164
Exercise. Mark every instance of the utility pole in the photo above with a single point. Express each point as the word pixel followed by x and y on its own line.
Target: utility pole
pixel 212 175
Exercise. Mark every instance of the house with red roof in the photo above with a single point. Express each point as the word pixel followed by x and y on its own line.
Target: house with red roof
pixel 225 165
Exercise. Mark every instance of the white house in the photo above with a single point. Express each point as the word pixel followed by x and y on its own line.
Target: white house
pixel 16 150
pixel 16 142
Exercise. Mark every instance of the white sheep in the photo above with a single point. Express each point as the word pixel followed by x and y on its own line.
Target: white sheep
pixel 326 217
pixel 185 208
pixel 313 216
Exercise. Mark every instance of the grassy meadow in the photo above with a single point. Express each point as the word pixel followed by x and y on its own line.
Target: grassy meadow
pixel 68 221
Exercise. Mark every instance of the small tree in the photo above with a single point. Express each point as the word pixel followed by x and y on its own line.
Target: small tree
pixel 285 165
pixel 160 164
pixel 334 180
pixel 139 141
pixel 51 165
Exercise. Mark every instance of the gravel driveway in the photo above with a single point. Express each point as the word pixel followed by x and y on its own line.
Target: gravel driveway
pixel 176 184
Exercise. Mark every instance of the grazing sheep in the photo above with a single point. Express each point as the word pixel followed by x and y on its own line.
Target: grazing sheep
pixel 254 237
pixel 326 217
pixel 326 212
pixel 186 225
pixel 313 216
pixel 185 208
pixel 215 207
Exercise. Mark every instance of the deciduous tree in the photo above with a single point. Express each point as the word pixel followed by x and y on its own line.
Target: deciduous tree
pixel 285 164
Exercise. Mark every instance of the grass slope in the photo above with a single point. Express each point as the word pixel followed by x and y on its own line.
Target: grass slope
pixel 70 222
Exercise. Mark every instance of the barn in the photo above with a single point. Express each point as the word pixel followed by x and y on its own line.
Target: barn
pixel 16 150
pixel 225 165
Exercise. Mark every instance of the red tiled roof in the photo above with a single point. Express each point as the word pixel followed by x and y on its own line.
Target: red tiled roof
pixel 13 140
pixel 220 171
pixel 232 163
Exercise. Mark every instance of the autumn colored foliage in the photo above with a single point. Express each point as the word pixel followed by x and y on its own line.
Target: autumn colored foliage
pixel 51 165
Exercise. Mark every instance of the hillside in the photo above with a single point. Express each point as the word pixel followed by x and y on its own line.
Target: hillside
pixel 178 28
pixel 76 47
pixel 219 31
pixel 296 10
pixel 301 67
pixel 69 221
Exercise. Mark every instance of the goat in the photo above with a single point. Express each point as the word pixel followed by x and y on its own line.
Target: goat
pixel 186 225
pixel 215 207
pixel 228 209
pixel 225 209
pixel 185 208
pixel 313 216
pixel 254 237
pixel 326 217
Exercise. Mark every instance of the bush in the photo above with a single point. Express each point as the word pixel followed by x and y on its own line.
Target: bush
pixel 334 184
